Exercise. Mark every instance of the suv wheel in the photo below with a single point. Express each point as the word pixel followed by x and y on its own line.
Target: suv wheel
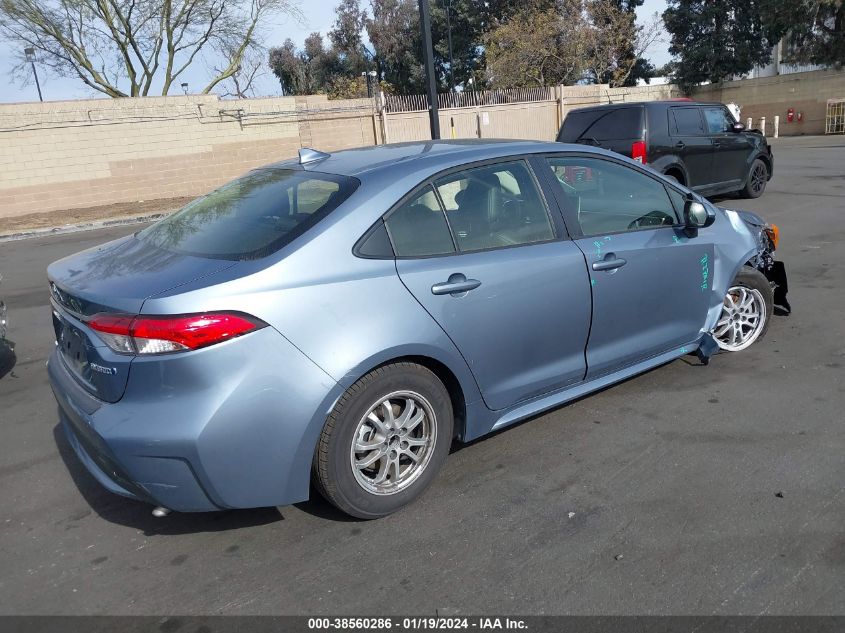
pixel 385 440
pixel 758 176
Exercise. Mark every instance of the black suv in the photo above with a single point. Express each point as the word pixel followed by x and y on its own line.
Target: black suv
pixel 698 144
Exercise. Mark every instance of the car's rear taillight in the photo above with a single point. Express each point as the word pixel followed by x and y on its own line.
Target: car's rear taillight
pixel 144 334
pixel 638 152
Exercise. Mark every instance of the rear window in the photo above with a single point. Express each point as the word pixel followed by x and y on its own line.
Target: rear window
pixel 602 125
pixel 253 216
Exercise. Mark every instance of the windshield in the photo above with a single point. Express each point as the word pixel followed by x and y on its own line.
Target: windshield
pixel 253 216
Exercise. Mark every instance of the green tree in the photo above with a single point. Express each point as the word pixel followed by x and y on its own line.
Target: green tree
pixel 537 48
pixel 815 29
pixel 714 40
pixel 306 71
pixel 393 29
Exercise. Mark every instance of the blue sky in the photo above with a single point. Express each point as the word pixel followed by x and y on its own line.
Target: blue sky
pixel 318 16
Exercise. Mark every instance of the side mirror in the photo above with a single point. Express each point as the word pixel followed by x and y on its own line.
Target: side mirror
pixel 737 127
pixel 696 216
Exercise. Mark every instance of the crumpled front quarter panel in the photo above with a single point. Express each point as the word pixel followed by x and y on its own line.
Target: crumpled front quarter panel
pixel 733 245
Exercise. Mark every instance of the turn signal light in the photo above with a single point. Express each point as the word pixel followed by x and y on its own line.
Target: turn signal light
pixel 773 232
pixel 638 152
pixel 144 334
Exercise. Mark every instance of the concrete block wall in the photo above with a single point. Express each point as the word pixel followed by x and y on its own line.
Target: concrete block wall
pixel 768 97
pixel 76 154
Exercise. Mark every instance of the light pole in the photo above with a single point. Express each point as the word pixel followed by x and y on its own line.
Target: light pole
pixel 449 40
pixel 30 57
pixel 185 87
pixel 428 58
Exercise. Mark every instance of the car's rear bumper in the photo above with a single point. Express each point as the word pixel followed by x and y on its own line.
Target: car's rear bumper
pixel 204 431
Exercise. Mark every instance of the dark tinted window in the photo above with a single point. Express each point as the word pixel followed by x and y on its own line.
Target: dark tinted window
pixel 494 206
pixel 602 125
pixel 252 216
pixel 610 198
pixel 686 121
pixel 718 120
pixel 418 228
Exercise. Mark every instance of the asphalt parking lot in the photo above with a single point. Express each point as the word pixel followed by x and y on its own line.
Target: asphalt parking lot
pixel 687 490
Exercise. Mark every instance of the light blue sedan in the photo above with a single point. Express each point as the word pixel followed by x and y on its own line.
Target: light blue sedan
pixel 343 318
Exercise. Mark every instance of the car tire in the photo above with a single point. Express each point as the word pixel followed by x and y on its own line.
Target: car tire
pixel 758 176
pixel 384 441
pixel 746 311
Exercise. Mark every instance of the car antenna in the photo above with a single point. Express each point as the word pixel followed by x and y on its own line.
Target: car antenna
pixel 308 155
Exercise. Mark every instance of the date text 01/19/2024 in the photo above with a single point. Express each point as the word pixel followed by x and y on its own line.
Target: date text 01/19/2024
pixel 417 623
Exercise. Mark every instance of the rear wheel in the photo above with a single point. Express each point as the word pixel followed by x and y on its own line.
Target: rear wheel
pixel 385 440
pixel 746 310
pixel 758 176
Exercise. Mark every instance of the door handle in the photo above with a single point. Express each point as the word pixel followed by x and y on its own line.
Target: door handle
pixel 455 285
pixel 610 262
pixel 680 145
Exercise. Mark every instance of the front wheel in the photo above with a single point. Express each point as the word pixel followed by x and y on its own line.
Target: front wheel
pixel 385 440
pixel 745 311
pixel 758 176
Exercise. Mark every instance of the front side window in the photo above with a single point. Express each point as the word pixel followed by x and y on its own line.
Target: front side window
pixel 253 216
pixel 610 198
pixel 418 227
pixel 686 121
pixel 718 120
pixel 495 206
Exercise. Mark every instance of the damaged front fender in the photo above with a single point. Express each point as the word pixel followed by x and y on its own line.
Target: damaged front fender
pixel 740 238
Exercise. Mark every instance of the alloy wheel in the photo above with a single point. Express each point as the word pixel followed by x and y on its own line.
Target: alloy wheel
pixel 393 443
pixel 742 320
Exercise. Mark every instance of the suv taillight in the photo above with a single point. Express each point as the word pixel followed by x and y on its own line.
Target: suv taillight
pixel 144 334
pixel 638 152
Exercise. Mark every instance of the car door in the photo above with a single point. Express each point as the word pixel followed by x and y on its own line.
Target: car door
pixel 690 142
pixel 480 252
pixel 730 150
pixel 650 282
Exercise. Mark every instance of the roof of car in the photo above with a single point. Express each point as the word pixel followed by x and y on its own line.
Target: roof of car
pixel 682 102
pixel 430 156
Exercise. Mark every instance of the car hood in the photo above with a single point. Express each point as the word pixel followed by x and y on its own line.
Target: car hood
pixel 122 274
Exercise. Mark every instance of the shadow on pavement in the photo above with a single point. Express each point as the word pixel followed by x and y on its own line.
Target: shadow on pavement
pixel 7 357
pixel 123 511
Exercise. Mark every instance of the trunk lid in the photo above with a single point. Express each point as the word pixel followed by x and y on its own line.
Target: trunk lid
pixel 113 278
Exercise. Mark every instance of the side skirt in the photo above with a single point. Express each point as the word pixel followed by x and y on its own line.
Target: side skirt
pixel 556 399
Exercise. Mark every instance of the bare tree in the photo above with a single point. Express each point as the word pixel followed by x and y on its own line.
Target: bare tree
pixel 108 44
pixel 614 40
pixel 241 85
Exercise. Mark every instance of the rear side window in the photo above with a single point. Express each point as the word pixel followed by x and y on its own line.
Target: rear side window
pixel 253 216
pixel 418 227
pixel 495 206
pixel 686 121
pixel 602 125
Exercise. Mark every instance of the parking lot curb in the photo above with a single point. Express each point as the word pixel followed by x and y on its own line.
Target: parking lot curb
pixel 84 226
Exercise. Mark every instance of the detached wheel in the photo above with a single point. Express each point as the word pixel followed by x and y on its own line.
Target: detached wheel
pixel 758 176
pixel 746 310
pixel 384 442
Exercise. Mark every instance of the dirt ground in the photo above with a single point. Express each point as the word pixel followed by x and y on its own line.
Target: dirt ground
pixel 87 215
